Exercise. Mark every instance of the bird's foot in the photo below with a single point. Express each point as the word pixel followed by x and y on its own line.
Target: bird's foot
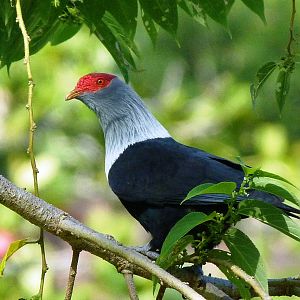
pixel 146 250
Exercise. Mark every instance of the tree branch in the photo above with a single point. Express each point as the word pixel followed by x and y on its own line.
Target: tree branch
pixel 72 274
pixel 128 275
pixel 242 274
pixel 79 236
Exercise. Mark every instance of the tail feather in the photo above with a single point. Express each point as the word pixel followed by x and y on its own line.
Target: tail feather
pixel 290 211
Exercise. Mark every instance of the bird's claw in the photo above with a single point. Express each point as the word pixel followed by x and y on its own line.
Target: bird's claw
pixel 146 250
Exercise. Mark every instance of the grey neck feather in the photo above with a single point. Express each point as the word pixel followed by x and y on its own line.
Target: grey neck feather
pixel 124 118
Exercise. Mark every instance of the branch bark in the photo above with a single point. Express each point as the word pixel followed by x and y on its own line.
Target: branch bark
pixel 80 237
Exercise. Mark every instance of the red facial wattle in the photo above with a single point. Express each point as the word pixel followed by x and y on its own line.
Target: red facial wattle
pixel 90 83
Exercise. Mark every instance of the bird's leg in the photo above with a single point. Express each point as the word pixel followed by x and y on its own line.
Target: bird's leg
pixel 197 269
pixel 146 250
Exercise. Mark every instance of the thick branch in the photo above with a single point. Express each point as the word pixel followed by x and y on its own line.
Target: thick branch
pixel 79 236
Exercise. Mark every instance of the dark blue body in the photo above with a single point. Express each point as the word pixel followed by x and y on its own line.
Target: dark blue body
pixel 151 178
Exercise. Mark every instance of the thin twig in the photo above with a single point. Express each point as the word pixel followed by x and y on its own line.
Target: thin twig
pixel 242 274
pixel 161 292
pixel 72 274
pixel 291 29
pixel 128 276
pixel 32 128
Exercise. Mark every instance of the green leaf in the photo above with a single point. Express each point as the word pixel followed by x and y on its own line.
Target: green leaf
pixel 217 9
pixel 245 255
pixel 257 6
pixel 261 76
pixel 274 187
pixel 42 21
pixel 241 284
pixel 210 188
pixel 163 12
pixel 270 215
pixel 181 228
pixel 260 173
pixel 282 87
pixel 176 238
pixel 13 247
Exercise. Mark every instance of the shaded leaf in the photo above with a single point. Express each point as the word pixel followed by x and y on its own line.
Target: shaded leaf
pixel 125 12
pixel 163 12
pixel 13 247
pixel 282 87
pixel 217 9
pixel 270 215
pixel 256 6
pixel 210 188
pixel 64 32
pixel 149 26
pixel 261 76
pixel 121 36
pixel 241 284
pixel 245 255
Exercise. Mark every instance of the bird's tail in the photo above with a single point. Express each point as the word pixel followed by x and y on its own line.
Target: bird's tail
pixel 291 211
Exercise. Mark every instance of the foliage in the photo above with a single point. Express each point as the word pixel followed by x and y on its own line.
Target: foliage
pixel 115 23
pixel 218 226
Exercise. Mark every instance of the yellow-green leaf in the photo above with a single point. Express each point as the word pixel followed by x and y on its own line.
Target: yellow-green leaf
pixel 13 247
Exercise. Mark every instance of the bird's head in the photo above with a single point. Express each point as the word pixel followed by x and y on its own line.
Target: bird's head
pixel 105 94
pixel 124 118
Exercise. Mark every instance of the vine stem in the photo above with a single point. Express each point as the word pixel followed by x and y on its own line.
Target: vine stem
pixel 291 29
pixel 32 128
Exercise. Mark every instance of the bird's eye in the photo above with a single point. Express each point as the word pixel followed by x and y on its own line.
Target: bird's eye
pixel 99 81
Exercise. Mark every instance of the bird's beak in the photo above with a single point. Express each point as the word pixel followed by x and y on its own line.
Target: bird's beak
pixel 73 94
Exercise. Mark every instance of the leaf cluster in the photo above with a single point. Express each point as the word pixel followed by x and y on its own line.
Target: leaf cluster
pixel 202 232
pixel 284 68
pixel 113 22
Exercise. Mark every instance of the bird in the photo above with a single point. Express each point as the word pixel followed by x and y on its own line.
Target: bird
pixel 148 170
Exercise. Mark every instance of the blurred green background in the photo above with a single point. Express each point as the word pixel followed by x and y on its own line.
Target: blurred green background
pixel 199 91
